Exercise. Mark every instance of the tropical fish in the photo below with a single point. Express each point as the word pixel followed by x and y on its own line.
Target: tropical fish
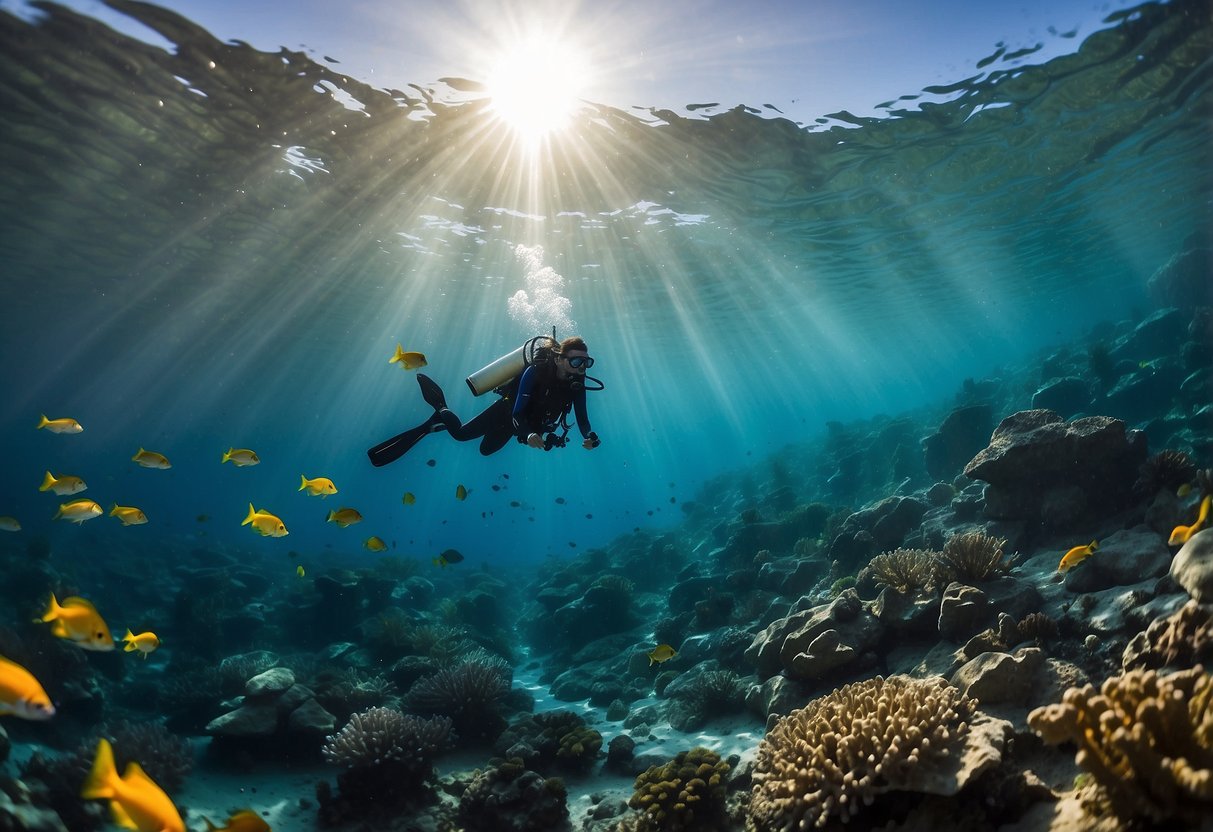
pixel 407 360
pixel 461 493
pixel 129 515
pixel 409 498
pixel 375 544
pixel 136 802
pixel 344 517
pixel 317 486
pixel 300 571
pixel 60 425
pixel 240 457
pixel 1182 534
pixel 144 642
pixel 264 523
pixel 151 459
pixel 64 486
pixel 245 820
pixel 21 694
pixel 78 621
pixel 1184 490
pixel 661 653
pixel 560 501
pixel 1077 555
pixel 9 524
pixel 448 557
pixel 77 511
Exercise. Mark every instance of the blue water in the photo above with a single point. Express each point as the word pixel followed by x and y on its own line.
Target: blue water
pixel 198 257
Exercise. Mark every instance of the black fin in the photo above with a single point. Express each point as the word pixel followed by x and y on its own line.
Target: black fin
pixel 431 392
pixel 400 444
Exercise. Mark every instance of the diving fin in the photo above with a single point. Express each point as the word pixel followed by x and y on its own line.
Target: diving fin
pixel 400 444
pixel 431 392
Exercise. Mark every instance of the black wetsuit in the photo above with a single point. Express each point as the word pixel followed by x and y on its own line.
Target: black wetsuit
pixel 537 404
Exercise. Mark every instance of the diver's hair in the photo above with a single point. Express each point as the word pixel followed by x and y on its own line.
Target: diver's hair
pixel 573 342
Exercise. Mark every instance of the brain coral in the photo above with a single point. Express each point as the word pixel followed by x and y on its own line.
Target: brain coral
pixel 1147 739
pixel 835 755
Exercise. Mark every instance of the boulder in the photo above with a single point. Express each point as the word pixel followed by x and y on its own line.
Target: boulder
pixel 1192 567
pixel 1067 395
pixel 1183 281
pixel 961 611
pixel 1127 557
pixel 964 432
pixel 1001 678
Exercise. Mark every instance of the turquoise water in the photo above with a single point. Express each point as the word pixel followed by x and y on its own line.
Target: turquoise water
pixel 214 246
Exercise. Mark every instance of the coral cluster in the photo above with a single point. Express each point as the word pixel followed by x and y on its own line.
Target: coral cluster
pixel 1180 640
pixel 687 793
pixel 509 798
pixel 973 557
pixel 711 693
pixel 469 693
pixel 550 741
pixel 905 570
pixel 1164 471
pixel 377 735
pixel 1146 739
pixel 834 756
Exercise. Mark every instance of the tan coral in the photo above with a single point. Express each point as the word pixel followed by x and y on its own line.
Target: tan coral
pixel 905 570
pixel 1147 739
pixel 837 754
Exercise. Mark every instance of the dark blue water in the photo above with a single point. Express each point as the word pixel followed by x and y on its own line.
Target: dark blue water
pixel 208 247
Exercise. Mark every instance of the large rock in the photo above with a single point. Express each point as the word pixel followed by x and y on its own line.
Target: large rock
pixel 1067 396
pixel 996 678
pixel 962 611
pixel 1056 475
pixel 1192 567
pixel 876 528
pixel 774 649
pixel 1183 281
pixel 964 432
pixel 1127 557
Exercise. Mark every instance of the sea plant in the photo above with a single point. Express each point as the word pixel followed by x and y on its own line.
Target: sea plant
pixel 972 557
pixel 905 570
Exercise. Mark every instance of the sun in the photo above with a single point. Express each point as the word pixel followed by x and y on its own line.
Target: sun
pixel 535 86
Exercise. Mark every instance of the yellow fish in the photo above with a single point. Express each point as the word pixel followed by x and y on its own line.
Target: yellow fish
pixel 461 493
pixel 151 459
pixel 243 821
pixel 1077 555
pixel 77 511
pixel 129 515
pixel 144 642
pixel 9 524
pixel 299 571
pixel 64 486
pixel 375 544
pixel 448 556
pixel 661 653
pixel 1181 534
pixel 407 360
pixel 318 486
pixel 264 523
pixel 60 425
pixel 345 517
pixel 21 694
pixel 240 457
pixel 78 621
pixel 409 498
pixel 136 802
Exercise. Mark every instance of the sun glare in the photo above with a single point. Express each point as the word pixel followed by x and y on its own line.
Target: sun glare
pixel 536 86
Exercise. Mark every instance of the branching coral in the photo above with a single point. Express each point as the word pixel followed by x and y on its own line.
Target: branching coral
pixel 974 557
pixel 379 735
pixel 469 693
pixel 1147 740
pixel 687 793
pixel 1036 626
pixel 1181 640
pixel 835 755
pixel 905 570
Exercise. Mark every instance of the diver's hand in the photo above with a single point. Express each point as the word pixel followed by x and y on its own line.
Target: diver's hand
pixel 535 441
pixel 591 442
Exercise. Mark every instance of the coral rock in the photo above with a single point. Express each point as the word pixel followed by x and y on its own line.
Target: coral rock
pixel 1192 567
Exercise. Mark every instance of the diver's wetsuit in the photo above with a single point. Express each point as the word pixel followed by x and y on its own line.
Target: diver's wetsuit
pixel 536 406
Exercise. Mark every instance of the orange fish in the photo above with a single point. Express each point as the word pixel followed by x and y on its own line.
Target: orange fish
pixel 78 621
pixel 21 694
pixel 135 800
pixel 345 517
pixel 245 820
pixel 64 425
pixel 1182 534
pixel 1077 555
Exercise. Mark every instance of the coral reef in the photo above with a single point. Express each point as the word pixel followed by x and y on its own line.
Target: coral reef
pixel 706 695
pixel 557 740
pixel 905 570
pixel 973 557
pixel 509 798
pixel 1179 640
pixel 832 758
pixel 469 693
pixel 1147 740
pixel 684 795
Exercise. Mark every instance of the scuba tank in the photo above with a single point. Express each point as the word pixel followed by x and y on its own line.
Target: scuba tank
pixel 510 365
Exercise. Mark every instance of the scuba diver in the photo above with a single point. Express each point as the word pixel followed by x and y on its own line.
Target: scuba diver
pixel 539 383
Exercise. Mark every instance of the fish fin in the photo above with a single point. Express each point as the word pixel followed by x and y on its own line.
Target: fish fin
pixel 251 514
pixel 77 601
pixel 227 455
pixel 121 817
pixel 52 609
pixel 43 422
pixel 139 453
pixel 100 780
pixel 1094 545
pixel 48 482
pixel 304 484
